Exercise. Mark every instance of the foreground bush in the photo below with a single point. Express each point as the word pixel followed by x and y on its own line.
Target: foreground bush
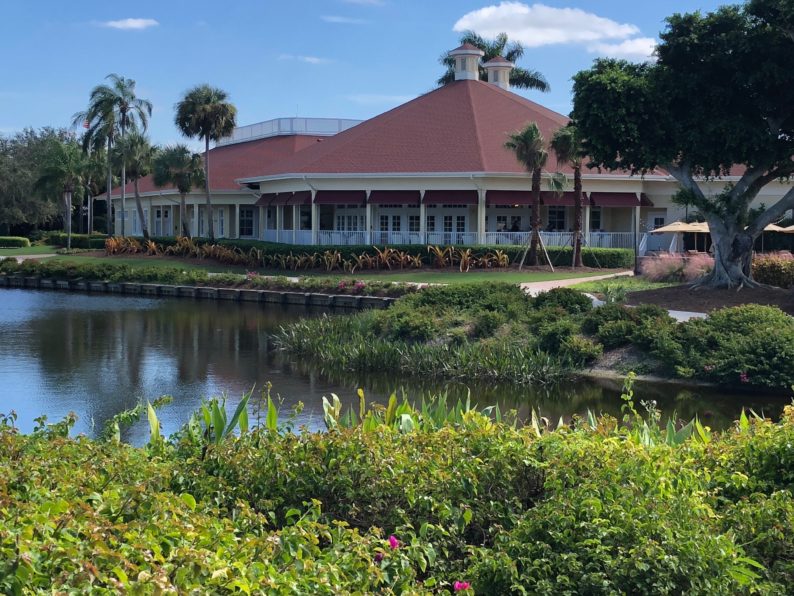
pixel 776 269
pixel 14 242
pixel 78 240
pixel 401 500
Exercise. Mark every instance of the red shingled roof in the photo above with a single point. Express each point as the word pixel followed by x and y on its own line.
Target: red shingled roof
pixel 230 162
pixel 461 127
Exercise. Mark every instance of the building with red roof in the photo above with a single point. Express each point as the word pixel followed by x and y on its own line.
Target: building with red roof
pixel 433 170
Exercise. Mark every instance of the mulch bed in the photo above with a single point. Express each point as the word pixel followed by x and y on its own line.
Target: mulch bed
pixel 706 300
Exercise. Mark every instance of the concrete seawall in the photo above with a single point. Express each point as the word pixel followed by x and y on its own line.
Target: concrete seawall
pixel 344 301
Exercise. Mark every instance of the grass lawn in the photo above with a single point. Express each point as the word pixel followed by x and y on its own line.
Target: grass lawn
pixel 456 277
pixel 631 284
pixel 28 250
pixel 160 262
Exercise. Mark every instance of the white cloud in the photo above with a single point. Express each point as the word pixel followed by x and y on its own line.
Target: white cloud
pixel 640 48
pixel 366 2
pixel 540 25
pixel 369 99
pixel 343 20
pixel 307 59
pixel 130 24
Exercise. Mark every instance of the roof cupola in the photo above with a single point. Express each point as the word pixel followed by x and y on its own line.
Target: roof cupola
pixel 498 70
pixel 467 62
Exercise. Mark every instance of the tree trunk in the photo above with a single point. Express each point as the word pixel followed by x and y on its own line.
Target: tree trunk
pixel 123 182
pixel 67 203
pixel 207 187
pixel 535 221
pixel 183 215
pixel 577 217
pixel 90 210
pixel 733 255
pixel 139 207
pixel 109 223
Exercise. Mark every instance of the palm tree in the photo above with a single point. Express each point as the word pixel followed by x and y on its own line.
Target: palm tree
pixel 177 166
pixel 567 146
pixel 529 146
pixel 204 112
pixel 113 108
pixel 512 51
pixel 96 159
pixel 62 171
pixel 138 154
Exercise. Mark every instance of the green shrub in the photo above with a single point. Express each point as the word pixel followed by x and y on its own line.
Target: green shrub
pixel 553 335
pixel 581 350
pixel 774 270
pixel 487 322
pixel 573 301
pixel 14 242
pixel 407 324
pixel 596 318
pixel 95 241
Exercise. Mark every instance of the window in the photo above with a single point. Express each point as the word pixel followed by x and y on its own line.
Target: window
pixel 658 222
pixel 220 211
pixel 447 224
pixel 556 218
pixel 246 221
pixel 271 218
pixel 501 223
pixel 460 224
pixel 340 222
pixel 305 217
pixel 135 227
pixel 454 206
pixel 595 218
pixel 200 220
pixel 384 223
pixel 431 223
pixel 395 223
pixel 515 223
pixel 413 223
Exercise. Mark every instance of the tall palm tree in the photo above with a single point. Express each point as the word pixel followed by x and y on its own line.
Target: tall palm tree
pixel 177 166
pixel 204 112
pixel 95 162
pixel 567 146
pixel 62 171
pixel 113 108
pixel 138 153
pixel 510 50
pixel 530 150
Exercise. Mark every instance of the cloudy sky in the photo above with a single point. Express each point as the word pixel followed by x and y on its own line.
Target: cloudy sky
pixel 322 58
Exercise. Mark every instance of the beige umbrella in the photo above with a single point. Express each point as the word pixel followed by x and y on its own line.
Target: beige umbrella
pixel 678 227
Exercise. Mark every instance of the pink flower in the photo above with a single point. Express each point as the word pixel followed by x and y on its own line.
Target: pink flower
pixel 378 557
pixel 743 377
pixel 342 285
pixel 460 586
pixel 708 367
pixel 394 544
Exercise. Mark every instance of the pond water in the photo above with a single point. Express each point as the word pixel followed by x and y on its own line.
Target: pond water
pixel 96 355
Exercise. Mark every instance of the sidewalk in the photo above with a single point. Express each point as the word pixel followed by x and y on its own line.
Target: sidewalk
pixel 535 288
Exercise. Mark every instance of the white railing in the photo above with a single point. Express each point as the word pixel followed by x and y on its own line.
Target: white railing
pixel 557 238
pixel 612 239
pixel 341 238
pixel 270 236
pixel 288 126
pixel 451 238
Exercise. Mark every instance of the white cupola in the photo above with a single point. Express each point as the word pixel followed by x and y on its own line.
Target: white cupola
pixel 498 70
pixel 467 62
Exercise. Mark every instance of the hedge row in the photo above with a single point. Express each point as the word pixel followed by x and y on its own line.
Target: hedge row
pixel 13 242
pixel 775 271
pixel 78 240
pixel 607 258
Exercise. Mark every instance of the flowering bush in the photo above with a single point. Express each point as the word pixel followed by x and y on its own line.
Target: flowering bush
pixel 775 269
pixel 676 268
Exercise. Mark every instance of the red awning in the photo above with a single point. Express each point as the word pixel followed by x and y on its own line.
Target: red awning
pixel 340 197
pixel 451 197
pixel 266 199
pixel 394 197
pixel 281 198
pixel 615 199
pixel 508 197
pixel 566 199
pixel 302 197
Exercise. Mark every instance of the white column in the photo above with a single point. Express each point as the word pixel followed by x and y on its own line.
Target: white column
pixel 279 222
pixel 586 223
pixel 315 219
pixel 296 217
pixel 637 235
pixel 369 220
pixel 422 217
pixel 481 217
pixel 262 223
pixel 195 218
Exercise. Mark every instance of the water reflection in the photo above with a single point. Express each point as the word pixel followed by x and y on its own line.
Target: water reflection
pixel 98 354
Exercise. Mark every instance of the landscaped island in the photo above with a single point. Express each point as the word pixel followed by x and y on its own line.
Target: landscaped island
pixel 438 499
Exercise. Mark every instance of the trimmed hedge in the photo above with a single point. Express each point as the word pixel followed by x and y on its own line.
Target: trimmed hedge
pixel 78 240
pixel 774 271
pixel 14 242
pixel 607 258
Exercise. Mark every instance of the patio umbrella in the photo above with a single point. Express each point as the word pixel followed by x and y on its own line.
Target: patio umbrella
pixel 678 227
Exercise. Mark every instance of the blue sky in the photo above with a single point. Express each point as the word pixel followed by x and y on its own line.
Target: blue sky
pixel 322 58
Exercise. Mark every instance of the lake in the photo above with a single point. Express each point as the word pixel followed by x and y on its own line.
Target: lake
pixel 96 355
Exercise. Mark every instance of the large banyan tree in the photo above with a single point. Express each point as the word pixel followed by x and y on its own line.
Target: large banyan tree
pixel 718 102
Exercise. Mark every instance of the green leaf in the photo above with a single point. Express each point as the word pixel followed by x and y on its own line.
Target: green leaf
pixel 188 500
pixel 241 407
pixel 388 420
pixel 154 425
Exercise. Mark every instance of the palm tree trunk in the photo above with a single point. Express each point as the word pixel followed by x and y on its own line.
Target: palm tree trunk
pixel 139 207
pixel 110 223
pixel 183 215
pixel 207 186
pixel 123 181
pixel 90 210
pixel 577 217
pixel 533 246
pixel 67 200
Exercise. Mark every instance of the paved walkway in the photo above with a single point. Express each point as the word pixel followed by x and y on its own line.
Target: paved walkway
pixel 21 258
pixel 536 287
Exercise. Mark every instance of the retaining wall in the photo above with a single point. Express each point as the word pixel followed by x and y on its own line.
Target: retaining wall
pixel 199 292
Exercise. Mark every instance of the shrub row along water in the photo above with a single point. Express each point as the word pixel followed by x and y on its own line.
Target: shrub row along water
pixel 495 331
pixel 401 500
pixel 117 273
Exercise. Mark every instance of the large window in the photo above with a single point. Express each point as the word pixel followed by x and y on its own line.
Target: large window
pixel 501 223
pixel 384 223
pixel 221 223
pixel 595 218
pixel 413 223
pixel 246 221
pixel 431 223
pixel 395 223
pixel 556 219
pixel 460 224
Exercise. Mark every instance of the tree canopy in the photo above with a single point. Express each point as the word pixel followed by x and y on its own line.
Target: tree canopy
pixel 719 101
